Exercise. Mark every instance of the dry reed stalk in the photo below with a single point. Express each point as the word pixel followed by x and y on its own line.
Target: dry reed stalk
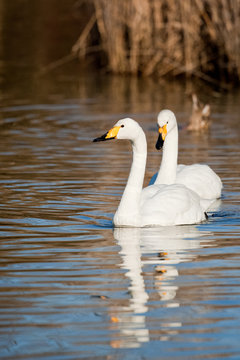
pixel 174 37
pixel 79 44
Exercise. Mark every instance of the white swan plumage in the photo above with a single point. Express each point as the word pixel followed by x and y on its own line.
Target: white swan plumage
pixel 200 178
pixel 156 205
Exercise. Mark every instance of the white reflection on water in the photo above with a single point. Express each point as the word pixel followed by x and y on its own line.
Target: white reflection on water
pixel 164 248
pixel 133 326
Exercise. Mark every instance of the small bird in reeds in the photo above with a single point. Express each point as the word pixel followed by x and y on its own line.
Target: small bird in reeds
pixel 200 117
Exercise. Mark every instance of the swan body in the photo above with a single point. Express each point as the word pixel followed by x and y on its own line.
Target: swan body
pixel 199 178
pixel 156 205
pixel 171 205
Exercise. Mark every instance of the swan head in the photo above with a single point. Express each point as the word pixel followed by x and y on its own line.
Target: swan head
pixel 126 128
pixel 166 122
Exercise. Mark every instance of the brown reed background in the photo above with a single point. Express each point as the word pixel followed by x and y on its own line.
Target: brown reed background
pixel 198 38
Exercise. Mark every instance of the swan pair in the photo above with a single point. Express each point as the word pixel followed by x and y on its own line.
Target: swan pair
pixel 168 201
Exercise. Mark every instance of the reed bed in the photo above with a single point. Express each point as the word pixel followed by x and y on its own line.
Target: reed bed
pixel 166 37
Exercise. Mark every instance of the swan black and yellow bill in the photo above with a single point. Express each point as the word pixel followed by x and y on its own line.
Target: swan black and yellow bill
pixel 161 137
pixel 111 134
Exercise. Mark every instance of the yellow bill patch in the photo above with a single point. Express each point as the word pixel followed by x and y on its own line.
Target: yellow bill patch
pixel 163 131
pixel 112 133
pixel 114 319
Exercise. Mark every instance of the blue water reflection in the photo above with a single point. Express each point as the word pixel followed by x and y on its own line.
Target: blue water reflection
pixel 73 287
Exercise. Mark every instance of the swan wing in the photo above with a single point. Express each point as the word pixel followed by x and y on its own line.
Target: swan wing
pixel 168 205
pixel 200 179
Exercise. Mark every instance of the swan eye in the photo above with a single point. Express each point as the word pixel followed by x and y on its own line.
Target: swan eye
pixel 167 122
pixel 122 125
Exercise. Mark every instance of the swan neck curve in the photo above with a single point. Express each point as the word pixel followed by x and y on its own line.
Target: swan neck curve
pixel 128 212
pixel 168 167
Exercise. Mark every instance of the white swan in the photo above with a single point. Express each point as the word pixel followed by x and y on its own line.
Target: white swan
pixel 157 204
pixel 197 177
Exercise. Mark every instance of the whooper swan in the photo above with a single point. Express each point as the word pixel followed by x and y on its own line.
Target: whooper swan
pixel 199 178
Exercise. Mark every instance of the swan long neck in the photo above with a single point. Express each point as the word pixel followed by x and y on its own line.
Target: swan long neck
pixel 168 168
pixel 128 213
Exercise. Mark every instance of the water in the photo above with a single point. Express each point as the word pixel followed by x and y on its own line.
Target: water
pixel 72 287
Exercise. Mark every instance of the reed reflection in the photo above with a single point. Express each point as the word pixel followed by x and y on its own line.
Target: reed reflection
pixel 163 249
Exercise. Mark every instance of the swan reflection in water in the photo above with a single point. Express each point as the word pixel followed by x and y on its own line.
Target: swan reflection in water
pixel 163 248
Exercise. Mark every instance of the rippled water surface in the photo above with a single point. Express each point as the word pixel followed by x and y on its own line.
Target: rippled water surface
pixel 72 287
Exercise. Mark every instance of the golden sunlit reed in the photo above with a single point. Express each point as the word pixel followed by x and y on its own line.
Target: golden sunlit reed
pixel 168 37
